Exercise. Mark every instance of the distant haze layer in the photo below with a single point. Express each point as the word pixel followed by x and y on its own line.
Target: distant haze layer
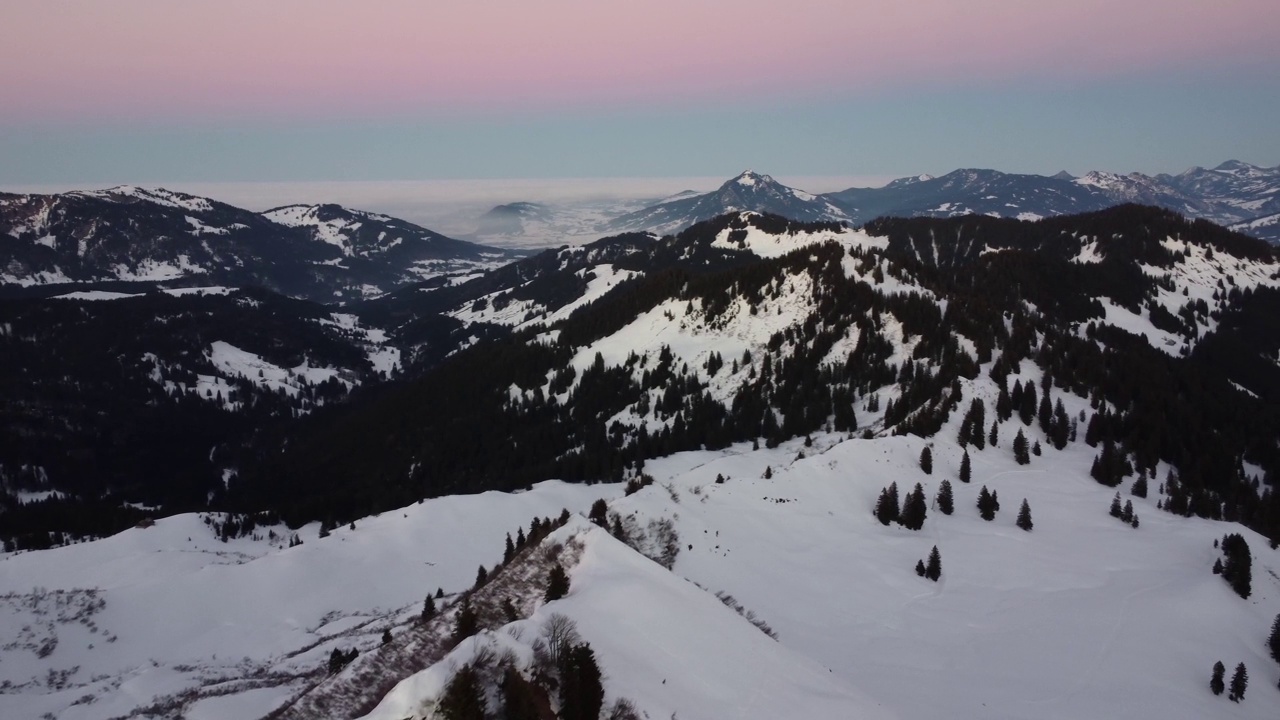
pixel 451 206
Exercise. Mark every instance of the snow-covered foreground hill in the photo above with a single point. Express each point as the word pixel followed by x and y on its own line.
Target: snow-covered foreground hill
pixel 169 617
pixel 1084 616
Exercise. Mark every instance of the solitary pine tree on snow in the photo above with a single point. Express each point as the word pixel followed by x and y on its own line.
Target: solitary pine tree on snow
pixel 933 569
pixel 926 460
pixel 1217 683
pixel 945 500
pixel 1239 682
pixel 965 471
pixel 1024 516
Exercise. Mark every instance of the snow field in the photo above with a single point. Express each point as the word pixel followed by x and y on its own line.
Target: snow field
pixel 661 642
pixel 187 610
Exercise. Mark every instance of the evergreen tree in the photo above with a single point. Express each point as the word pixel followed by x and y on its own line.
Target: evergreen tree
pixel 520 541
pixel 986 506
pixel 581 685
pixel 599 513
pixel 933 570
pixel 467 623
pixel 1217 683
pixel 482 577
pixel 428 609
pixel 509 610
pixel 337 661
pixel 1116 510
pixel 920 568
pixel 386 636
pixel 1139 486
pixel 1020 449
pixel 1027 412
pixel 965 470
pixel 945 500
pixel 993 438
pixel 1238 568
pixel 519 698
pixel 1024 516
pixel 618 531
pixel 887 510
pixel 509 552
pixel 1273 642
pixel 463 697
pixel 1126 514
pixel 914 509
pixel 1035 448
pixel 557 583
pixel 1060 431
pixel 1239 683
pixel 926 460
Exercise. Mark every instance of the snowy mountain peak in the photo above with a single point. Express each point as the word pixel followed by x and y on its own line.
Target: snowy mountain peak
pixel 1237 166
pixel 751 179
pixel 749 190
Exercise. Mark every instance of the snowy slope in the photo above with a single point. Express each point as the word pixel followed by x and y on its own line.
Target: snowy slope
pixel 1082 617
pixel 663 643
pixel 184 613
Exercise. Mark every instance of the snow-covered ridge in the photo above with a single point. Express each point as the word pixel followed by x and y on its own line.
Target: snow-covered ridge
pixel 234 629
pixel 335 231
pixel 159 196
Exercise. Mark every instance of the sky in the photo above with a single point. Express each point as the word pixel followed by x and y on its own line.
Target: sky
pixel 156 91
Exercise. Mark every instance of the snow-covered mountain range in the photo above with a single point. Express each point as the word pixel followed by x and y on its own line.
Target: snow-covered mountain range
pixel 740 397
pixel 137 235
pixel 748 191
pixel 1234 193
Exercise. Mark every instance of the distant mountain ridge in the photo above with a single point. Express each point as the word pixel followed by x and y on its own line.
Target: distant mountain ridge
pixel 748 191
pixel 1234 193
pixel 132 234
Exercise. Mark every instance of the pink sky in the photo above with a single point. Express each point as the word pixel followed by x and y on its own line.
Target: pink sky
pixel 69 60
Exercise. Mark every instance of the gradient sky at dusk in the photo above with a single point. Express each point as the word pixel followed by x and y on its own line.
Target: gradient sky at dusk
pixel 226 90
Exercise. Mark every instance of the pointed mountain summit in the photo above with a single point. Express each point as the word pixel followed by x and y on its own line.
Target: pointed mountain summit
pixel 749 191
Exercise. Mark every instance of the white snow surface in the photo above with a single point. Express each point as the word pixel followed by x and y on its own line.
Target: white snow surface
pixel 523 313
pixel 95 295
pixel 663 643
pixel 150 269
pixel 768 245
pixel 384 357
pixel 159 196
pixel 187 611
pixel 233 362
pixel 209 290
